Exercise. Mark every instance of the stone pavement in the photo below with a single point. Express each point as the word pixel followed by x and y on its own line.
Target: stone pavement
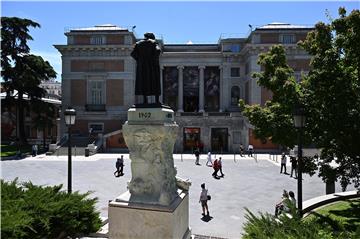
pixel 255 184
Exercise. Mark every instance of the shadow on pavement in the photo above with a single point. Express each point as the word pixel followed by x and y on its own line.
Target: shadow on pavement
pixel 206 218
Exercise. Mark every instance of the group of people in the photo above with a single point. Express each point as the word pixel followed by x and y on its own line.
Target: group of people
pixel 287 202
pixel 34 150
pixel 119 167
pixel 293 162
pixel 250 150
pixel 216 165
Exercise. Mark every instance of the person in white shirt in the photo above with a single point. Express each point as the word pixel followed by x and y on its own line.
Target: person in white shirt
pixel 203 200
pixel 209 160
pixel 283 163
pixel 250 150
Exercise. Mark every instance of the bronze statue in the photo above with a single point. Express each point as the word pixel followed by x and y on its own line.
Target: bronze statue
pixel 146 53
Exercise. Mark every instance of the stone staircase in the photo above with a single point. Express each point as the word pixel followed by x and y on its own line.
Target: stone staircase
pixel 79 144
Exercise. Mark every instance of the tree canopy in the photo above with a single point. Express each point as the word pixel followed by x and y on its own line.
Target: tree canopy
pixel 330 93
pixel 22 72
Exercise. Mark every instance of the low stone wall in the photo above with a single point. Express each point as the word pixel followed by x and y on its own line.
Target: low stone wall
pixel 314 203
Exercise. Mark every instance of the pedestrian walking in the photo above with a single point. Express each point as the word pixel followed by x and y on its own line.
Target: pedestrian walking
pixel 283 163
pixel 209 160
pixel 35 149
pixel 197 156
pixel 293 162
pixel 204 197
pixel 241 150
pixel 216 169
pixel 250 150
pixel 119 166
pixel 220 167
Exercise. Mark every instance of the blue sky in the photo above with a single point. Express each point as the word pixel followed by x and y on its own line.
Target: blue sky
pixel 176 22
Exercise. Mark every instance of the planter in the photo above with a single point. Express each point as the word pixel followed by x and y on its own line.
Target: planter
pixel 330 187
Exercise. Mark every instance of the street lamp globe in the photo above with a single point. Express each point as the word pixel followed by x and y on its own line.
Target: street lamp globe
pixel 70 115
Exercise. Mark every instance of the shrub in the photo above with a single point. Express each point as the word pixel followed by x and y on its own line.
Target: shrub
pixel 288 226
pixel 30 211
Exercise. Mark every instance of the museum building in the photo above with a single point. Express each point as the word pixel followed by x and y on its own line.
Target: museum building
pixel 202 83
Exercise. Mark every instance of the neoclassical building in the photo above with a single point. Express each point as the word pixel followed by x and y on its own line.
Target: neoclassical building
pixel 201 82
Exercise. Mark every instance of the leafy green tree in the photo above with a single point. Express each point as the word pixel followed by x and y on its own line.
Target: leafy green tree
pixel 45 115
pixel 332 94
pixel 21 71
pixel 275 120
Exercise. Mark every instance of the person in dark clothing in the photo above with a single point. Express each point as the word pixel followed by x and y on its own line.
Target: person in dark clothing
pixel 293 162
pixel 146 53
pixel 197 155
pixel 216 168
pixel 119 167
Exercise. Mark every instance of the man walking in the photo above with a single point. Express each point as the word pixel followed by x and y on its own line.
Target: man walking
pixel 283 163
pixel 241 150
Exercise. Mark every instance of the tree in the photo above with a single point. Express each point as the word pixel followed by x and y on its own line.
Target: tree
pixel 332 93
pixel 274 120
pixel 21 71
pixel 45 113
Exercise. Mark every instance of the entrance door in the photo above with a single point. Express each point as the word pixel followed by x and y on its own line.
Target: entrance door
pixel 219 140
pixel 191 139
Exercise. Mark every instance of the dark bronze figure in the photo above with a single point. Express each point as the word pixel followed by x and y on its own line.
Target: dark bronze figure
pixel 146 53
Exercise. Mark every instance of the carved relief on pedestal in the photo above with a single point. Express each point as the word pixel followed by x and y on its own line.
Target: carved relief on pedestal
pixel 152 165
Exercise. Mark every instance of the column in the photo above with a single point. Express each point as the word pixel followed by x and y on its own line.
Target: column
pixel 161 97
pixel 180 89
pixel 221 108
pixel 201 89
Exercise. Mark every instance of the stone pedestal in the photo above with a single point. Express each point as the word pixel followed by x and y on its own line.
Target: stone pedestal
pixel 154 206
pixel 144 221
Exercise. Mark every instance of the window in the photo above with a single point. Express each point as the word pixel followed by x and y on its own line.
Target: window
pixel 231 48
pixel 235 72
pixel 247 68
pixel 97 40
pixel 235 95
pixel 96 92
pixel 256 39
pixel 96 127
pixel 288 39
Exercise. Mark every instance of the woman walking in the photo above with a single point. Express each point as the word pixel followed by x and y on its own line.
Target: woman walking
pixel 203 200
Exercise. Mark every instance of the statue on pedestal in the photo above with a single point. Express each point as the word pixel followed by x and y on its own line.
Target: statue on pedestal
pixel 146 53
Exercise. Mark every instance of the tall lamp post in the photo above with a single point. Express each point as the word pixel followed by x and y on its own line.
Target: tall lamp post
pixel 299 121
pixel 70 115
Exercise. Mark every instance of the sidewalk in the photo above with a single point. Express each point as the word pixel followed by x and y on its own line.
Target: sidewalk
pixel 256 185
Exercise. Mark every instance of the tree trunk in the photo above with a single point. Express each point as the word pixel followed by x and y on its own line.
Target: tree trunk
pixel 21 120
pixel 44 138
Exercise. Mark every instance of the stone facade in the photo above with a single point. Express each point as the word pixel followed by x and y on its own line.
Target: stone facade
pixel 201 82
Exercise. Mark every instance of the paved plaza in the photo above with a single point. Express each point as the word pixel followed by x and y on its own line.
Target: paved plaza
pixel 255 184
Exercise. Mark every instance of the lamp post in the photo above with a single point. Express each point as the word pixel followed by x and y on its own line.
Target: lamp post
pixel 70 115
pixel 299 122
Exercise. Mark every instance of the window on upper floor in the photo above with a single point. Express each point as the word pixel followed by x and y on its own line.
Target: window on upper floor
pixel 255 39
pixel 97 94
pixel 287 38
pixel 235 72
pixel 231 48
pixel 97 40
pixel 235 95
